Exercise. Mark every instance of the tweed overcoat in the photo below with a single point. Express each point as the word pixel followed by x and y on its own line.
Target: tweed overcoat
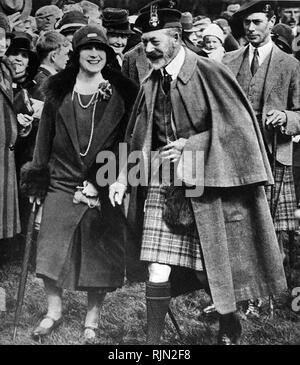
pixel 236 232
pixel 281 92
pixel 9 209
pixel 57 147
pixel 136 65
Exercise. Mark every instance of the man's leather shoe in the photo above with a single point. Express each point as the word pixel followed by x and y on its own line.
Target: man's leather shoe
pixel 230 330
pixel 41 332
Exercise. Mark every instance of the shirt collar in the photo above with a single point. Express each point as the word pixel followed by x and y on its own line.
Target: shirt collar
pixel 174 67
pixel 263 51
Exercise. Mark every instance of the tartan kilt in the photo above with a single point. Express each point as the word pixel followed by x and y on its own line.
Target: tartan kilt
pixel 286 197
pixel 160 244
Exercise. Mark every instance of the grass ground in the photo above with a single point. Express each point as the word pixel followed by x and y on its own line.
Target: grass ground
pixel 123 318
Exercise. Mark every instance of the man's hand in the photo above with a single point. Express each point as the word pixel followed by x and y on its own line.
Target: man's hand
pixel 116 193
pixel 276 118
pixel 24 120
pixel 173 150
pixel 14 20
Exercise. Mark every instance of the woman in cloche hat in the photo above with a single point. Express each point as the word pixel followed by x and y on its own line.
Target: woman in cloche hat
pixel 80 245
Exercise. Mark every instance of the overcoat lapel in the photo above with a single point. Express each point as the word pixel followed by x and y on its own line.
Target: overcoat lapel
pixel 236 63
pixel 274 71
pixel 150 92
pixel 143 67
pixel 68 115
pixel 187 70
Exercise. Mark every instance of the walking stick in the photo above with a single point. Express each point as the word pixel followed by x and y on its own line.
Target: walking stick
pixel 273 204
pixel 274 157
pixel 173 319
pixel 24 272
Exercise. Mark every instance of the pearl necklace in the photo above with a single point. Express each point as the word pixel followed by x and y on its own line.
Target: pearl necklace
pixel 93 98
pixel 104 94
pixel 90 102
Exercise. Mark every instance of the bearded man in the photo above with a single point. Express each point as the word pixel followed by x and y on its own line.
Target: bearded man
pixel 225 242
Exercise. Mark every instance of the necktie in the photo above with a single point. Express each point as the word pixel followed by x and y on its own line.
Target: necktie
pixel 167 79
pixel 254 63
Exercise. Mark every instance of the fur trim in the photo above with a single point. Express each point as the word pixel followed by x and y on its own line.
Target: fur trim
pixel 34 181
pixel 59 85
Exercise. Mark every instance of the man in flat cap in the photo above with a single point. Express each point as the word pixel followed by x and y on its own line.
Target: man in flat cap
pixel 271 80
pixel 218 233
pixel 46 17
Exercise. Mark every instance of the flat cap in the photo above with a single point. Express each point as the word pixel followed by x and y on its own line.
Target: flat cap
pixel 48 10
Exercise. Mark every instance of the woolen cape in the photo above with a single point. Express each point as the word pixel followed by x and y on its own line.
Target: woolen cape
pixel 235 228
pixel 57 148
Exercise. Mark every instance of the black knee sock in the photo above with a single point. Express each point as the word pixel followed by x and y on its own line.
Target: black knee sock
pixel 158 299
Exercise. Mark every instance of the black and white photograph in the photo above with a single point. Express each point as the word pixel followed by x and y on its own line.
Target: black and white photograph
pixel 149 175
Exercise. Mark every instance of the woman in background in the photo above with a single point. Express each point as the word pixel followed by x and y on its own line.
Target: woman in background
pixel 9 212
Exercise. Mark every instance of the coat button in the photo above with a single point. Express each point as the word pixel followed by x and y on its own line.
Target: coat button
pixel 11 147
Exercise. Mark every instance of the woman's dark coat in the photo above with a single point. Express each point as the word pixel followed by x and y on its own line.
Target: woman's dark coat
pixel 9 210
pixel 58 148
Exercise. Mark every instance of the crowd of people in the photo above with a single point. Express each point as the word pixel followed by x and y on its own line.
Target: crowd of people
pixel 77 80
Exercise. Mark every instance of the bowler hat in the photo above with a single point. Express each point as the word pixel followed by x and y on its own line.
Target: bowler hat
pixel 255 6
pixel 159 14
pixel 92 34
pixel 116 20
pixel 187 22
pixel 283 37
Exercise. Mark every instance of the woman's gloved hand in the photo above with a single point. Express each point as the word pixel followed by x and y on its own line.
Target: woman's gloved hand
pixel 89 190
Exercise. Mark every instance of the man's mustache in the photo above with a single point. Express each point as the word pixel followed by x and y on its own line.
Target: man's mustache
pixel 154 55
pixel 292 21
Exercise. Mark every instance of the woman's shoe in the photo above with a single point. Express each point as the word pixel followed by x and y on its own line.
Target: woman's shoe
pixel 41 331
pixel 90 335
pixel 230 330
